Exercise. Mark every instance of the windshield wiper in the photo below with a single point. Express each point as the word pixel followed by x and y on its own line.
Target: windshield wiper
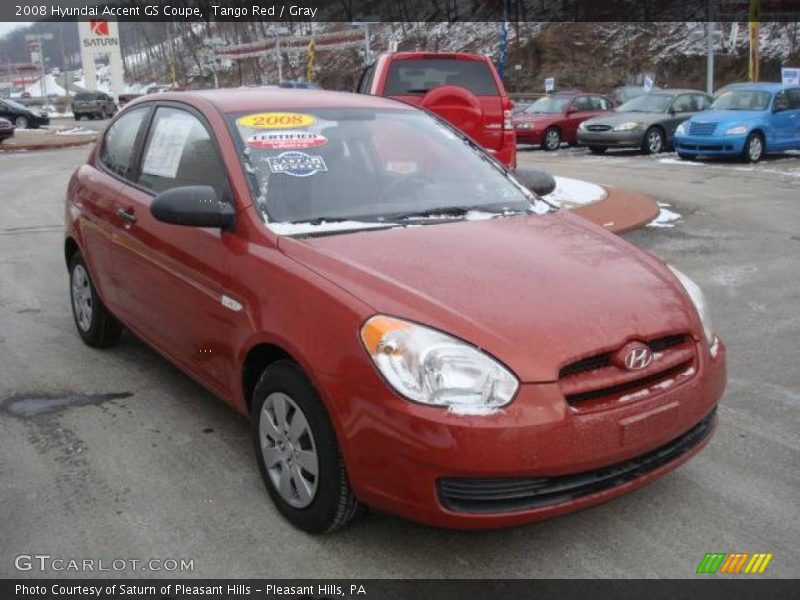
pixel 453 211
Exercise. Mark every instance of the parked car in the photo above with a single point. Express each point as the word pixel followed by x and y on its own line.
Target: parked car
pixel 748 121
pixel 369 286
pixel 22 116
pixel 93 105
pixel 299 85
pixel 463 89
pixel 623 93
pixel 555 118
pixel 647 122
pixel 6 129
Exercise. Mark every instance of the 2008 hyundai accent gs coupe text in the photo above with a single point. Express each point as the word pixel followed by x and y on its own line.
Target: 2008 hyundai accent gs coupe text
pixel 408 327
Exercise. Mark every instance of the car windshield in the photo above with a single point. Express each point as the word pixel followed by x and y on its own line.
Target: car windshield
pixel 647 103
pixel 419 76
pixel 742 100
pixel 16 105
pixel 549 105
pixel 324 166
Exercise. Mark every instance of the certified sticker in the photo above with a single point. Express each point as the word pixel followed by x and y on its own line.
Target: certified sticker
pixel 296 164
pixel 286 140
pixel 276 120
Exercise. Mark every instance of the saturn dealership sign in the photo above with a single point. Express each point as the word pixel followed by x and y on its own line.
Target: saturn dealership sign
pixel 100 37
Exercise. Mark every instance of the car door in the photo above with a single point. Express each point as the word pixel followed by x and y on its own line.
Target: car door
pixel 785 119
pixel 96 193
pixel 579 111
pixel 171 279
pixel 682 108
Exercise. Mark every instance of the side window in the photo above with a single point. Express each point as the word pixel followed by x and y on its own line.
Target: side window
pixel 180 152
pixel 781 101
pixel 701 102
pixel 365 83
pixel 583 104
pixel 116 153
pixel 600 103
pixel 683 103
pixel 794 98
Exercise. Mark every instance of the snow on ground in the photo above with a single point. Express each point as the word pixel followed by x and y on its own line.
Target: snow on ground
pixel 574 192
pixel 76 131
pixel 666 218
pixel 680 161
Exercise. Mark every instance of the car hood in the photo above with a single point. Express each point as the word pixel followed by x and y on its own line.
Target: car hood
pixel 727 116
pixel 624 117
pixel 537 292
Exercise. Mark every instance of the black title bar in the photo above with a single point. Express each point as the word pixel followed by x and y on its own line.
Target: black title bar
pixel 404 10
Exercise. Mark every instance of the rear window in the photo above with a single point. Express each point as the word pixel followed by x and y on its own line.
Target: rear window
pixel 417 77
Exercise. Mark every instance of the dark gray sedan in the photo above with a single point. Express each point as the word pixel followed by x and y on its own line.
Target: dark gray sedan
pixel 647 122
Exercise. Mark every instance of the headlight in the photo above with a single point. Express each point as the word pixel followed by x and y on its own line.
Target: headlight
pixel 433 368
pixel 699 301
pixel 681 129
pixel 738 130
pixel 582 126
pixel 627 126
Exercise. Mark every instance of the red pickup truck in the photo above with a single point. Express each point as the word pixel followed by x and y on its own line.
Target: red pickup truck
pixel 464 89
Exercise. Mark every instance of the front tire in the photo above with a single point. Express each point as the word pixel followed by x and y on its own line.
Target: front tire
pixel 297 452
pixel 552 139
pixel 653 141
pixel 753 148
pixel 21 122
pixel 96 326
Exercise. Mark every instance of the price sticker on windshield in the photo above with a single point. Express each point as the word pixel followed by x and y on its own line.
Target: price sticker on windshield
pixel 276 120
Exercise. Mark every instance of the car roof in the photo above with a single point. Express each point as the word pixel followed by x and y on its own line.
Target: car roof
pixel 260 99
pixel 755 86
pixel 431 55
pixel 676 91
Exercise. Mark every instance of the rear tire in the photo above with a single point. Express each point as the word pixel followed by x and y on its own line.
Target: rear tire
pixel 293 437
pixel 597 149
pixel 753 148
pixel 96 326
pixel 551 140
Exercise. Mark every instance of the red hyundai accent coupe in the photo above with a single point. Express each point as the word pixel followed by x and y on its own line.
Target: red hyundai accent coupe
pixel 408 327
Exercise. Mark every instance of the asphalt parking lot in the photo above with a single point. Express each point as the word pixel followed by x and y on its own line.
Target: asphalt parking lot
pixel 142 463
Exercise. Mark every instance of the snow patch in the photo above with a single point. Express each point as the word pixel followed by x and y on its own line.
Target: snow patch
pixel 323 226
pixel 76 131
pixel 666 218
pixel 714 350
pixel 574 192
pixel 680 161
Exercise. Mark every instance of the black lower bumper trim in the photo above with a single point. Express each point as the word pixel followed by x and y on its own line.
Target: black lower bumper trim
pixel 467 495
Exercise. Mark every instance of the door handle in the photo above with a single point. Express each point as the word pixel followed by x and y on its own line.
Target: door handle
pixel 126 215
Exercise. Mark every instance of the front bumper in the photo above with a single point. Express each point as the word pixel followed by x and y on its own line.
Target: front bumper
pixel 611 139
pixel 717 145
pixel 529 136
pixel 399 454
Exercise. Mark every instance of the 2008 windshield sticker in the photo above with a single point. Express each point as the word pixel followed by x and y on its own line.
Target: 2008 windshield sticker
pixel 276 120
pixel 286 140
pixel 296 164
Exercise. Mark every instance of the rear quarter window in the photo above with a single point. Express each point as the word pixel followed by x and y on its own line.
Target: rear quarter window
pixel 417 77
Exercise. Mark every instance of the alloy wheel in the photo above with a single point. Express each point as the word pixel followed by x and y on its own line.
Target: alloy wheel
pixel 654 141
pixel 21 123
pixel 755 148
pixel 82 297
pixel 552 139
pixel 289 450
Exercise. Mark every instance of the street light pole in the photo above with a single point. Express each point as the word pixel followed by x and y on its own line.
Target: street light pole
pixel 710 57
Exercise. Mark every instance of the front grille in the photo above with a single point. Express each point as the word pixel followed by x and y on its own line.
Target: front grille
pixel 598 128
pixel 526 493
pixel 590 382
pixel 702 128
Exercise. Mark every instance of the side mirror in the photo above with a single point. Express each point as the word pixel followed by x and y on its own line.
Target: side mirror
pixel 539 182
pixel 193 206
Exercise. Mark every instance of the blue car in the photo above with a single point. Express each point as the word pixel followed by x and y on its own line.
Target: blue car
pixel 746 120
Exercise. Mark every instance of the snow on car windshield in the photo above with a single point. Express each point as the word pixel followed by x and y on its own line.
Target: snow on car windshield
pixel 742 100
pixel 647 103
pixel 358 166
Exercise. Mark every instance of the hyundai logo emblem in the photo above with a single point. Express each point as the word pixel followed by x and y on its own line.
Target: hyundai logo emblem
pixel 638 358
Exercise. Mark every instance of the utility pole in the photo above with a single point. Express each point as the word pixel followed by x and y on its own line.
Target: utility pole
pixel 710 57
pixel 38 39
